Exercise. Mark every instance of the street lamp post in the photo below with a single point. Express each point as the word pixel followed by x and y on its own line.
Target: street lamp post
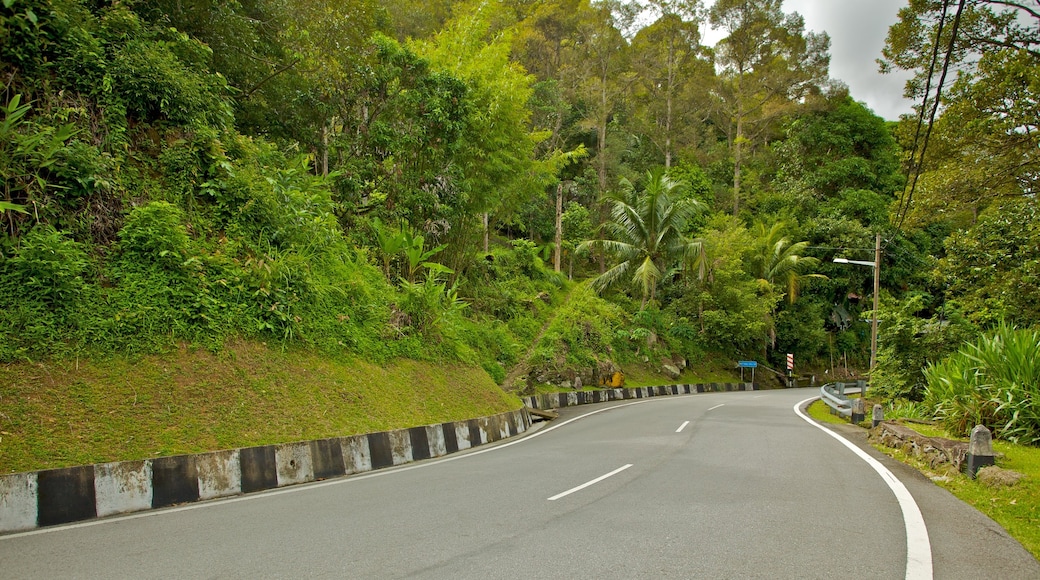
pixel 876 265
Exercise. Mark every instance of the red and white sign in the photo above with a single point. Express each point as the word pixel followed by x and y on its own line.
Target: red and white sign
pixel 790 362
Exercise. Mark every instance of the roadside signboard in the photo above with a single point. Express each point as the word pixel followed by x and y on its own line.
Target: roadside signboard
pixel 747 364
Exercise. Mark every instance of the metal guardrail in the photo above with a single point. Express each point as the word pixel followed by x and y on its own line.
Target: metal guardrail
pixel 833 394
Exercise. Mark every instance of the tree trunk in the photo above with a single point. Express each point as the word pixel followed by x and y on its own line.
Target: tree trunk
pixel 487 235
pixel 325 150
pixel 558 249
pixel 668 108
pixel 737 152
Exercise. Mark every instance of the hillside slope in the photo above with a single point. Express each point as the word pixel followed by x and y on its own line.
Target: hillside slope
pixel 57 414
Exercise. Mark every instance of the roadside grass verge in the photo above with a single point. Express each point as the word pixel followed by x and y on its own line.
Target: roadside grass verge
pixel 58 414
pixel 821 412
pixel 1015 508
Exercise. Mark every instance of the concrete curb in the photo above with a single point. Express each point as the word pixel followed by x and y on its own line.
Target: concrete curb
pixel 570 399
pixel 61 496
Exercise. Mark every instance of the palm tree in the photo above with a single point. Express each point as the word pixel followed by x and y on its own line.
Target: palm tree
pixel 645 234
pixel 777 260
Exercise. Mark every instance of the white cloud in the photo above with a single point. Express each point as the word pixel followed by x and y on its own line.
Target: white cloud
pixel 857 29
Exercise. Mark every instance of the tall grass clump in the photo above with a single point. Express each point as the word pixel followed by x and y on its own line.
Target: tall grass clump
pixel 994 381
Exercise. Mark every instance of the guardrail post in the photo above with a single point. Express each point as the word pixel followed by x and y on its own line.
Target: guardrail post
pixel 878 416
pixel 841 389
pixel 980 451
pixel 859 410
pixel 862 388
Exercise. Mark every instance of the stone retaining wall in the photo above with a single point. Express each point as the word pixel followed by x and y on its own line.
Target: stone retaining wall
pixel 937 451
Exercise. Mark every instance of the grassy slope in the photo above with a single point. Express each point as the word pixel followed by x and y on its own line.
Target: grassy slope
pixel 711 369
pixel 61 414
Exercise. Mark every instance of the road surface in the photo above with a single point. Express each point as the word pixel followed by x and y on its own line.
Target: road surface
pixel 721 485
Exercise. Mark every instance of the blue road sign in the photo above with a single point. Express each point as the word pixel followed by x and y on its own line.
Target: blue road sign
pixel 747 364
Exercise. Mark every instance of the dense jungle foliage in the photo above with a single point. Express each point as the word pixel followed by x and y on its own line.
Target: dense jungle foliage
pixel 434 181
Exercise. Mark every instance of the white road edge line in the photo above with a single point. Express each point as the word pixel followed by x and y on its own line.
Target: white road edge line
pixel 588 483
pixel 717 406
pixel 308 486
pixel 346 479
pixel 681 427
pixel 918 547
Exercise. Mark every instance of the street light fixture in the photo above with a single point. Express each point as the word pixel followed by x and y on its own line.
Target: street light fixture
pixel 876 265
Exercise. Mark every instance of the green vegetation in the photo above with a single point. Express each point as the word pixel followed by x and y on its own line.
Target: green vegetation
pixel 1016 508
pixel 387 180
pixel 190 401
pixel 821 412
pixel 993 382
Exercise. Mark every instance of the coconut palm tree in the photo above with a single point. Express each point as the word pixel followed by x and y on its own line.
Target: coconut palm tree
pixel 645 234
pixel 778 261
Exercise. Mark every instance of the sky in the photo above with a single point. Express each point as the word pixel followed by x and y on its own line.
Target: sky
pixel 857 29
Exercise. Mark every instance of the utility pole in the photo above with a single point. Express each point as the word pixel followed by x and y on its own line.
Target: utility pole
pixel 558 240
pixel 877 292
pixel 876 264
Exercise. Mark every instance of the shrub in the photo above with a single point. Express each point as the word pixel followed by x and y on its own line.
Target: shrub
pixel 994 381
pixel 48 267
pixel 43 295
pixel 583 333
pixel 154 234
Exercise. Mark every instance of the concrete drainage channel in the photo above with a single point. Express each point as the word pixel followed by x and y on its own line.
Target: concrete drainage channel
pixel 62 496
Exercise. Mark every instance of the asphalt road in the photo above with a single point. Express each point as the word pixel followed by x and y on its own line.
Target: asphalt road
pixel 726 485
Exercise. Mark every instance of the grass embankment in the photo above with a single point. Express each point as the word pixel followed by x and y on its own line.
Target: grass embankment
pixel 188 401
pixel 1015 508
pixel 708 370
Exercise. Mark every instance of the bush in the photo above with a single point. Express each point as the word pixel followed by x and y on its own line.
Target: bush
pixel 909 340
pixel 165 80
pixel 44 296
pixel 154 234
pixel 994 381
pixel 583 333
pixel 47 267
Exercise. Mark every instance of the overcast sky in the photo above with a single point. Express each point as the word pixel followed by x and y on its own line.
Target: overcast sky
pixel 857 29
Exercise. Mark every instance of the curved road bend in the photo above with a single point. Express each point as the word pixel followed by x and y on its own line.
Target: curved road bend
pixel 726 485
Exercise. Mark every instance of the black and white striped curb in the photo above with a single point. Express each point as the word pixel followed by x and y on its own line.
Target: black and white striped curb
pixel 61 496
pixel 570 399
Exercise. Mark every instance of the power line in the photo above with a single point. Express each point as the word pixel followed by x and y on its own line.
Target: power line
pixel 935 104
pixel 844 249
pixel 915 164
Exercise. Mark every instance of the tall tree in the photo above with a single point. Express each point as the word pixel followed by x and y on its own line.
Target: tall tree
pixel 498 146
pixel 975 138
pixel 545 46
pixel 295 65
pixel 837 146
pixel 768 62
pixel 400 148
pixel 671 73
pixel 604 51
